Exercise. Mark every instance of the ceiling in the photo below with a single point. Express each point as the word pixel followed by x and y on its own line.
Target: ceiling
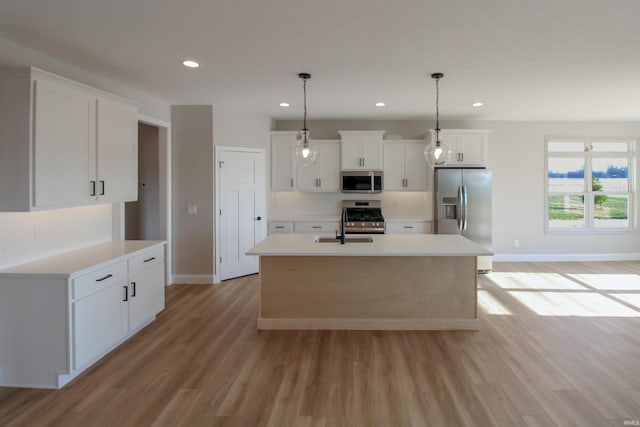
pixel 525 60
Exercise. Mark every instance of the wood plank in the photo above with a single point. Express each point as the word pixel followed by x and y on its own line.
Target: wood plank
pixel 203 362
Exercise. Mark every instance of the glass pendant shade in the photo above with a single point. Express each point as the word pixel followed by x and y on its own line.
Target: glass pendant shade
pixel 305 152
pixel 437 153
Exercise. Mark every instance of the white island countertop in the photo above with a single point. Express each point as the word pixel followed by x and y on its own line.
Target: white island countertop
pixel 382 245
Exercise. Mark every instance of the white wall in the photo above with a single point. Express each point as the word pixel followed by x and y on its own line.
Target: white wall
pixel 192 184
pixel 196 129
pixel 28 236
pixel 516 156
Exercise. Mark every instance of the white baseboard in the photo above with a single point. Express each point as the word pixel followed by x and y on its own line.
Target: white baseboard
pixel 192 279
pixel 565 257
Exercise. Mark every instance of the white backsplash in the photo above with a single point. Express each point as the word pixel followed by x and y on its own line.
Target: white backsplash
pixel 396 205
pixel 28 236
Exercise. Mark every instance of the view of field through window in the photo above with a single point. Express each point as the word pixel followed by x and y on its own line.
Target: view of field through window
pixel 580 188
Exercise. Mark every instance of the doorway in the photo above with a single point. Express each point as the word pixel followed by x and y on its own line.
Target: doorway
pixel 142 216
pixel 160 135
pixel 241 203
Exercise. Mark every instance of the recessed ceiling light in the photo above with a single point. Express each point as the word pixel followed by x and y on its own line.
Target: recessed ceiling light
pixel 190 63
pixel 284 104
pixel 477 104
pixel 380 104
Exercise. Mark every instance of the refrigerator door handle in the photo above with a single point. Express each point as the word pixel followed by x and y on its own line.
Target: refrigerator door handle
pixel 460 214
pixel 464 207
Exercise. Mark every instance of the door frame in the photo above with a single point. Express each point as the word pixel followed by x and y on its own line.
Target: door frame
pixel 217 153
pixel 164 181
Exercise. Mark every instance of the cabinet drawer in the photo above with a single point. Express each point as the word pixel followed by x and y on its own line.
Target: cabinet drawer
pixel 317 227
pixel 99 279
pixel 408 227
pixel 146 259
pixel 280 227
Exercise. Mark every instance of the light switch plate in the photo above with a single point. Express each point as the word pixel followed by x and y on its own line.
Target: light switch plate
pixel 192 209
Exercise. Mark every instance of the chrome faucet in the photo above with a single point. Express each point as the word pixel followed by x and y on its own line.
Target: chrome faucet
pixel 343 238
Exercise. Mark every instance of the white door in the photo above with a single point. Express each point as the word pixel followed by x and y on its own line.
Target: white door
pixel 241 210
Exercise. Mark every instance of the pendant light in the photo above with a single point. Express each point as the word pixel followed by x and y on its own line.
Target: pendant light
pixel 305 152
pixel 437 153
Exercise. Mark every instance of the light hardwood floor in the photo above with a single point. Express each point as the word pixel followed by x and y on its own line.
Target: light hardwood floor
pixel 559 344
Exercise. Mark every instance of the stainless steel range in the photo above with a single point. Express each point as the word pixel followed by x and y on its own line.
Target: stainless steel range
pixel 363 216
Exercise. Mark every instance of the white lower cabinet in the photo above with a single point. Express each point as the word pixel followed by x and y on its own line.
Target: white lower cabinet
pixel 61 314
pixel 145 291
pixel 99 321
pixel 317 227
pixel 280 227
pixel 408 227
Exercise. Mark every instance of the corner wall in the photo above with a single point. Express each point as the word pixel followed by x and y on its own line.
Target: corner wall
pixel 192 185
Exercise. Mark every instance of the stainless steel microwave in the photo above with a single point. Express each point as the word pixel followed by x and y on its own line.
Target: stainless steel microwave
pixel 361 181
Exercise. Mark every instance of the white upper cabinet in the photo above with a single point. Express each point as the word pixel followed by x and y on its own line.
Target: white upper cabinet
pixel 404 166
pixel 282 164
pixel 117 156
pixel 469 146
pixel 361 150
pixel 325 174
pixel 64 122
pixel 63 144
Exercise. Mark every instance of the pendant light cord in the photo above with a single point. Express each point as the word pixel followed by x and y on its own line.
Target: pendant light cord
pixel 437 107
pixel 304 88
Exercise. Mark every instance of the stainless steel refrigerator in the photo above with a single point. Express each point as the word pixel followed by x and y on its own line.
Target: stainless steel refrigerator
pixel 463 206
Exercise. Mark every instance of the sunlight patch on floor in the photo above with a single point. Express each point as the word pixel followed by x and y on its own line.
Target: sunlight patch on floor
pixel 490 305
pixel 621 282
pixel 587 304
pixel 534 281
pixel 632 299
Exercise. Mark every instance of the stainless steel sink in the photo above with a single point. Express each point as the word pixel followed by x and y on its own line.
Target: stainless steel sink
pixel 348 239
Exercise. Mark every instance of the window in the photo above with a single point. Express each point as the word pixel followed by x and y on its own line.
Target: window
pixel 590 184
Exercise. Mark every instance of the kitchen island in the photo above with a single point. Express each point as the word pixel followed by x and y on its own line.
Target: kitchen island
pixel 394 282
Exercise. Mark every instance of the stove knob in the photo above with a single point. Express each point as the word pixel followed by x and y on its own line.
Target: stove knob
pixel 362 225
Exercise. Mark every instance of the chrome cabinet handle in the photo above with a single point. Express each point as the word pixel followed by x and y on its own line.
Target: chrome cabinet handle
pixel 408 226
pixel 291 182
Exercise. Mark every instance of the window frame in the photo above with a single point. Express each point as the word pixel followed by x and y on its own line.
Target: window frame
pixel 587 154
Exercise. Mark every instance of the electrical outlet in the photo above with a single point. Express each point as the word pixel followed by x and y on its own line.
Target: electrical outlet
pixel 516 243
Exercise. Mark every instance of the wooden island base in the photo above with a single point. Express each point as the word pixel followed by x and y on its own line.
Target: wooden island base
pixel 368 292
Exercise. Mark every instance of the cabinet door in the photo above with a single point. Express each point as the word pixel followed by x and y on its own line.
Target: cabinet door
pixel 63 146
pixel 146 295
pixel 471 149
pixel 372 154
pixel 328 167
pixel 394 173
pixel 99 322
pixel 282 165
pixel 351 153
pixel 415 167
pixel 307 177
pixel 117 152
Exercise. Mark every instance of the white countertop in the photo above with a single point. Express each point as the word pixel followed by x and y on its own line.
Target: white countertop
pixel 382 245
pixel 70 264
